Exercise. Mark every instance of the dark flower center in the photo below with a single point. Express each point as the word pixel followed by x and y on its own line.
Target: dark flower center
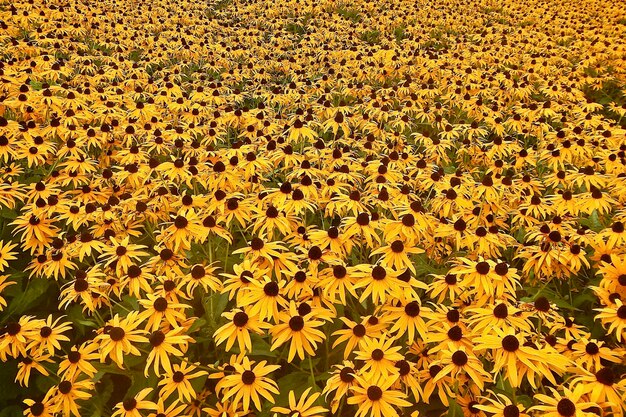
pixel 166 254
pixel 129 404
pixel 459 358
pixel 359 330
pixel 434 370
pixel 374 393
pixel 453 316
pixel 502 269
pixel 455 333
pixel 501 311
pixel 363 219
pixel 412 309
pixel 81 285
pixel 510 411
pixel 245 277
pixel 296 323
pixel 339 271
pixel 248 377
pixel 37 409
pixel 180 222
pixel 404 367
pixel 510 343
pixel 472 407
pixel 605 376
pixel 300 276
pixel 65 387
pixel 397 246
pixel 345 374
pixel 304 309
pixel 272 212
pixel 178 377
pixel 566 407
pixel 271 289
pixel 378 354
pixel 116 334
pixel 160 304
pixel 592 348
pixel 482 268
pixel 379 273
pixel 315 253
pixel 408 220
pixel 240 319
pixel 256 244
pixel 542 304
pixel 156 338
pixel 73 356
pixel 198 272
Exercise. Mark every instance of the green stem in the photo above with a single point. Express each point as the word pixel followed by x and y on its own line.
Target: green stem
pixel 312 372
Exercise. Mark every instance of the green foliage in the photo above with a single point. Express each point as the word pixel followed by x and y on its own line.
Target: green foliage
pixel 371 37
pixel 350 13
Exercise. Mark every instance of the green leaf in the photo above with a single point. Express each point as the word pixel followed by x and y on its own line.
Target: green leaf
pixel 98 403
pixel 76 316
pixel 454 410
pixel 585 297
pixel 525 400
pixel 9 214
pixel 9 390
pixel 12 411
pixel 197 324
pixel 36 291
pixel 593 222
pixel 294 381
pixel 214 305
pixel 261 348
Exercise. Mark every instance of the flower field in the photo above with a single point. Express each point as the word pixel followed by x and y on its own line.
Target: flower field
pixel 243 208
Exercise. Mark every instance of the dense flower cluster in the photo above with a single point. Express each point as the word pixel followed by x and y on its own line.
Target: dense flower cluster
pixel 310 208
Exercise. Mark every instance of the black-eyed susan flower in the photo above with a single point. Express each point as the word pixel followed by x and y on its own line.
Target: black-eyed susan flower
pixel 453 362
pixel 379 356
pixel 27 365
pixel 499 405
pixel 46 407
pixel 17 335
pixel 178 380
pixel 614 317
pixel 67 393
pixel 78 360
pixel 299 331
pixel 303 407
pixel 132 407
pixel 238 329
pixel 117 338
pixel 249 383
pixel 378 283
pixel 375 397
pixel 570 404
pixel 163 344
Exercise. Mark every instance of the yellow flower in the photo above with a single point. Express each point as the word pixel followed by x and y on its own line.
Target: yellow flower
pixel 248 384
pixel 375 398
pixel 303 407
